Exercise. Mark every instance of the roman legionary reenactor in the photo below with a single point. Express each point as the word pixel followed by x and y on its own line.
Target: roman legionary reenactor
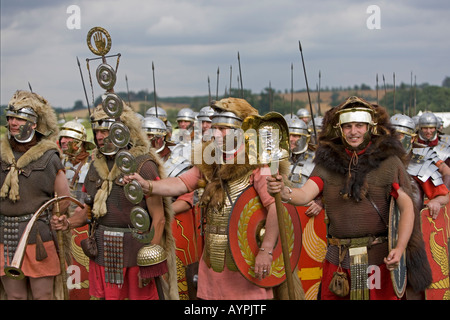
pixel 431 198
pixel 222 167
pixel 31 174
pixel 125 230
pixel 76 159
pixel 359 171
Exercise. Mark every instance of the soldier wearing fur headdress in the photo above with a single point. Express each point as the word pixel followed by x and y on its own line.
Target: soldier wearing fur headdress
pixel 112 214
pixel 31 173
pixel 359 166
pixel 224 178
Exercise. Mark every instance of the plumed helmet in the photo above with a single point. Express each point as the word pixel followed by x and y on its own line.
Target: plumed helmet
pixel 303 113
pixel 35 109
pixel 205 114
pixel 155 126
pixel 74 129
pixel 186 114
pixel 428 120
pixel 162 114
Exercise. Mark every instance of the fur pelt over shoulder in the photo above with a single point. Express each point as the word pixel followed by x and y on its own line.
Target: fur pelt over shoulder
pixel 331 154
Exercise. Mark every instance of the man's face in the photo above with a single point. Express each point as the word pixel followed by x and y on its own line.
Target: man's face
pixel 354 132
pixel 428 133
pixel 64 143
pixel 183 124
pixel 293 138
pixel 156 141
pixel 100 136
pixel 14 125
pixel 205 126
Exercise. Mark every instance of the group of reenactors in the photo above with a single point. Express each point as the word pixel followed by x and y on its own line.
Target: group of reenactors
pixel 197 200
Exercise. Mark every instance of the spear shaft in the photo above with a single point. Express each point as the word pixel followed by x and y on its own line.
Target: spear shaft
pixel 84 87
pixel 307 89
pixel 154 89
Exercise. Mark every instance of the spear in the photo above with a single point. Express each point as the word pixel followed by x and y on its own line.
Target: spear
pixel 128 91
pixel 377 88
pixel 292 88
pixel 231 74
pixel 307 89
pixel 217 85
pixel 29 86
pixel 84 87
pixel 240 76
pixel 318 95
pixel 209 91
pixel 154 89
pixel 394 94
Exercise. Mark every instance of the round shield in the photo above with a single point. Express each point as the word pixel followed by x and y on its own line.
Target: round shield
pixel 246 232
pixel 112 105
pixel 133 192
pixel 126 162
pixel 398 275
pixel 119 134
pixel 106 76
pixel 140 219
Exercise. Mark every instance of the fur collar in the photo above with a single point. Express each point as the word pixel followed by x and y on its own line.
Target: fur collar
pixel 333 156
pixel 10 186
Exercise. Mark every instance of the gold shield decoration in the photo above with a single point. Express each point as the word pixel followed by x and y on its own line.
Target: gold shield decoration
pixel 102 41
pixel 246 232
pixel 436 235
pixel 398 275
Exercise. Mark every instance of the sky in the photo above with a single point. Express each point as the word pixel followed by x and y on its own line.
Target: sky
pixel 349 42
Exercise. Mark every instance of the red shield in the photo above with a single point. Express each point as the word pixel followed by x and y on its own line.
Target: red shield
pixel 78 274
pixel 314 248
pixel 245 231
pixel 436 234
pixel 185 235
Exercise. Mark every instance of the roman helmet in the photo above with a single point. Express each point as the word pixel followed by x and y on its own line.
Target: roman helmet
pixel 298 127
pixel 205 114
pixel 303 113
pixel 428 120
pixel 35 110
pixel 186 114
pixel 230 113
pixel 355 109
pixel 74 129
pixel 162 114
pixel 405 125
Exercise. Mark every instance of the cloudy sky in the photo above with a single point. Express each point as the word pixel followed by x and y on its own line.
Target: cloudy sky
pixel 188 40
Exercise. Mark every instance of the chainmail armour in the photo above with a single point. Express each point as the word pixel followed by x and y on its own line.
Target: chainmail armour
pixel 36 183
pixel 351 219
pixel 119 208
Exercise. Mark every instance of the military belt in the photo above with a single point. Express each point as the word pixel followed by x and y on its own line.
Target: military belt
pixel 358 242
pixel 216 229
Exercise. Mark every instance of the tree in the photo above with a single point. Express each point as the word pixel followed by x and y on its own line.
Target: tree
pixel 446 82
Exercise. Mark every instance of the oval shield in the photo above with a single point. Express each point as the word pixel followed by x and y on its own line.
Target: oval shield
pixel 246 231
pixel 398 275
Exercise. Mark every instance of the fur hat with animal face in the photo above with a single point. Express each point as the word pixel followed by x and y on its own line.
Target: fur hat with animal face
pixel 33 108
